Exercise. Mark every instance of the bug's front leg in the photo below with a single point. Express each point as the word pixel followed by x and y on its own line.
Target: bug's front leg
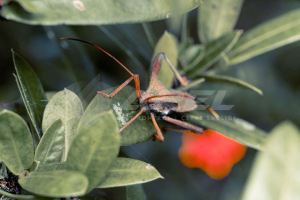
pixel 134 77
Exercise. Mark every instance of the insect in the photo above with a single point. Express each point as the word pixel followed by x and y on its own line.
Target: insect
pixel 157 98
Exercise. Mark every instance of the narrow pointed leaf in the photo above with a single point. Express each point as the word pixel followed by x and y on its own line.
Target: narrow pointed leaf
pixel 16 145
pixel 32 92
pixel 95 148
pixel 126 171
pixel 233 127
pixel 192 56
pixel 267 36
pixel 67 106
pixel 21 196
pixel 275 174
pixel 216 18
pixel 230 80
pixel 167 44
pixel 214 51
pixel 85 12
pixel 51 146
pixel 123 107
pixel 51 166
pixel 55 183
pixel 135 192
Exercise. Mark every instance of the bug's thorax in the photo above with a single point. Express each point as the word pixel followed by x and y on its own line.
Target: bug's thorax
pixel 167 103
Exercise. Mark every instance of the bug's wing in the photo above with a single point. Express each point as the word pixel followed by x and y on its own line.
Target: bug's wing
pixel 184 104
pixel 157 88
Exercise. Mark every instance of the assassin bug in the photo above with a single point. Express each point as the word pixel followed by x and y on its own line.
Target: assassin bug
pixel 157 98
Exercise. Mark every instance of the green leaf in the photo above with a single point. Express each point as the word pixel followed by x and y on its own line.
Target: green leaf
pixel 167 44
pixel 265 37
pixel 217 18
pixel 138 131
pixel 67 106
pixel 230 80
pixel 51 146
pixel 275 174
pixel 135 192
pixel 16 145
pixel 126 171
pixel 55 183
pixel 85 12
pixel 32 92
pixel 20 196
pixel 51 167
pixel 50 94
pixel 233 127
pixel 192 56
pixel 214 51
pixel 191 84
pixel 95 147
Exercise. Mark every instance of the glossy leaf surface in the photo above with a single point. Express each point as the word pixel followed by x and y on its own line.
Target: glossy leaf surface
pixel 127 171
pixel 95 147
pixel 55 183
pixel 267 36
pixel 67 106
pixel 275 171
pixel 51 146
pixel 32 92
pixel 85 12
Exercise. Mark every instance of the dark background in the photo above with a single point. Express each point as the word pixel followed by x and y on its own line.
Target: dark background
pixel 60 64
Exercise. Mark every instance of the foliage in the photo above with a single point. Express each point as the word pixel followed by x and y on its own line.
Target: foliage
pixel 77 149
pixel 90 160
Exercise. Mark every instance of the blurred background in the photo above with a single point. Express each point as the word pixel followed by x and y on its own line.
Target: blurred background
pixel 60 64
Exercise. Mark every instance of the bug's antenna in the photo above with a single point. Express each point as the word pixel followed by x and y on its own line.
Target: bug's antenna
pixel 100 50
pixel 188 97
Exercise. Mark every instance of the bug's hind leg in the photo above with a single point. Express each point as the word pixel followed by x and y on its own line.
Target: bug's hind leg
pixel 183 124
pixel 159 135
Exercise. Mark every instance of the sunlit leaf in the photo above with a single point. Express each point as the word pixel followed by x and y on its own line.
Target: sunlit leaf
pixel 21 196
pixel 85 12
pixel 95 147
pixel 16 145
pixel 135 192
pixel 265 37
pixel 230 80
pixel 126 171
pixel 51 166
pixel 138 131
pixel 275 174
pixel 55 183
pixel 167 44
pixel 64 105
pixel 216 18
pixel 50 148
pixel 32 92
pixel 233 127
pixel 214 51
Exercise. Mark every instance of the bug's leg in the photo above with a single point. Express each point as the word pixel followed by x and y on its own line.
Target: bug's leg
pixel 183 80
pixel 134 118
pixel 183 124
pixel 159 135
pixel 134 77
